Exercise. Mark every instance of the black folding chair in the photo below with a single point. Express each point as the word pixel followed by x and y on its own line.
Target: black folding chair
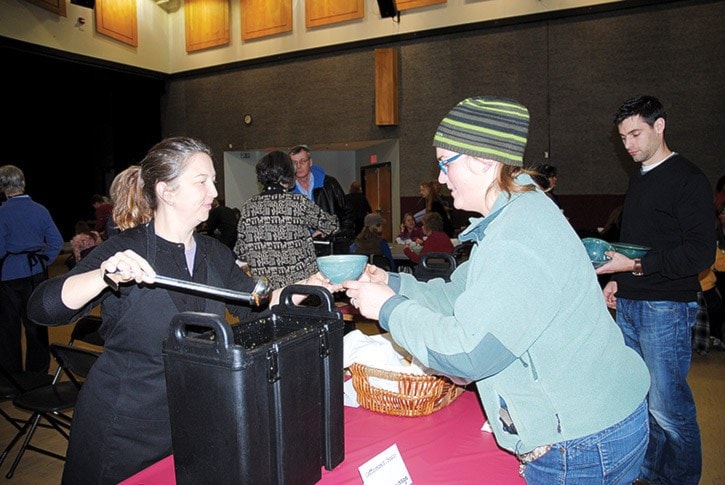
pixel 435 265
pixel 86 330
pixel 462 252
pixel 52 401
pixel 12 385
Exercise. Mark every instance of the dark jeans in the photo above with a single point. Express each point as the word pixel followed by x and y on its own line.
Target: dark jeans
pixel 14 296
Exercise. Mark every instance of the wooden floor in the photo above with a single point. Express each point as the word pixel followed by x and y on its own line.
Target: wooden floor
pixel 707 379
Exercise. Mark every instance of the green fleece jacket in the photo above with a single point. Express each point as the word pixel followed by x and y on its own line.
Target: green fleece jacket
pixel 525 318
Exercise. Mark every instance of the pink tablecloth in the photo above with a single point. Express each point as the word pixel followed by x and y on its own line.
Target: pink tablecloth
pixel 446 447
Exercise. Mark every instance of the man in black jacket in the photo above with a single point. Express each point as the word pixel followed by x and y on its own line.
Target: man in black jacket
pixel 668 208
pixel 326 192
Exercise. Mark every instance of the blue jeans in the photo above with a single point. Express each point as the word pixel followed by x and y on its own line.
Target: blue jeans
pixel 612 456
pixel 661 332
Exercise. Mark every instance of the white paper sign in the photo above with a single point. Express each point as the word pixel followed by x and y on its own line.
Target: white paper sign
pixel 386 468
pixel 350 397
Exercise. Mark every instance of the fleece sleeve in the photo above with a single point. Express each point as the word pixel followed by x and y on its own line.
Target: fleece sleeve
pixel 504 305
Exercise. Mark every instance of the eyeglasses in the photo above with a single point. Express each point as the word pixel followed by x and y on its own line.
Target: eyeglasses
pixel 302 161
pixel 442 163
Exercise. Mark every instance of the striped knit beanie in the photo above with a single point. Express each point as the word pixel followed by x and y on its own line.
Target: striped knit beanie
pixel 486 127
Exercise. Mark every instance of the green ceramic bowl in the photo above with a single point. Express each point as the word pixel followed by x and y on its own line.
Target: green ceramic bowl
pixel 632 251
pixel 340 267
pixel 595 249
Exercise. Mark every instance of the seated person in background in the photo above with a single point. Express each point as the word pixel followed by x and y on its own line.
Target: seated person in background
pixel 436 241
pixel 409 230
pixel 84 240
pixel 370 240
pixel 273 232
pixel 103 209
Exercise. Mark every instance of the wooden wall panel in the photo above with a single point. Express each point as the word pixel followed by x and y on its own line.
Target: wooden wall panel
pixel 261 18
pixel 207 23
pixel 386 87
pixel 325 12
pixel 117 19
pixel 408 4
pixel 55 6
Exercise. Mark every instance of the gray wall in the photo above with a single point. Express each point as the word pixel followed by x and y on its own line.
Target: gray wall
pixel 572 73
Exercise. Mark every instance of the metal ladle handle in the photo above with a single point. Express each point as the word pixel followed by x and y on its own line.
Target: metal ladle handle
pixel 258 297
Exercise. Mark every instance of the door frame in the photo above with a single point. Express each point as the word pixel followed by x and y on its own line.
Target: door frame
pixel 389 220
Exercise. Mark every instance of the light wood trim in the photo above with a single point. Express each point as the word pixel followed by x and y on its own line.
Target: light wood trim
pixel 117 19
pixel 261 18
pixel 408 4
pixel 55 6
pixel 386 86
pixel 325 12
pixel 207 23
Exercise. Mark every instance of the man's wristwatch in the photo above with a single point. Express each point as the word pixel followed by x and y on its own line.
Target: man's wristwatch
pixel 638 271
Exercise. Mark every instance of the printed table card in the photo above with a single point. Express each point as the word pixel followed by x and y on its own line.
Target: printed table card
pixel 386 468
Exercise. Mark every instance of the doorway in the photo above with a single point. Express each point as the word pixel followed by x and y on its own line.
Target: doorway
pixel 377 185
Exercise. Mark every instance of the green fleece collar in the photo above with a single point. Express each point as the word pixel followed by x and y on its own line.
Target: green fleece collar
pixel 476 230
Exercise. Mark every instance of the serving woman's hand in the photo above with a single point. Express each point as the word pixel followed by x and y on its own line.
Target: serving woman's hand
pixel 127 265
pixel 368 297
pixel 122 267
pixel 317 279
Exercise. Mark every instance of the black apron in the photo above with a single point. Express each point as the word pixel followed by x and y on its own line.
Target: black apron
pixel 121 423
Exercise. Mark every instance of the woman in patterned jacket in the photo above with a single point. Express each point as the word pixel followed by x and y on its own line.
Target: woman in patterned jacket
pixel 274 237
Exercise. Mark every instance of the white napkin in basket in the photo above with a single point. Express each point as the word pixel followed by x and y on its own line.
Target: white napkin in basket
pixel 381 352
pixel 378 351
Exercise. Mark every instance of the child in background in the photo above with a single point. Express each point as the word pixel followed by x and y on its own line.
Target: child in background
pixel 436 240
pixel 409 230
pixel 370 240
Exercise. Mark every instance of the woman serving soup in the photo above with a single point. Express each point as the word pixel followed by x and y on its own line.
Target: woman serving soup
pixel 524 317
pixel 121 421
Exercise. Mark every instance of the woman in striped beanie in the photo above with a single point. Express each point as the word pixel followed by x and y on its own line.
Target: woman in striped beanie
pixel 524 317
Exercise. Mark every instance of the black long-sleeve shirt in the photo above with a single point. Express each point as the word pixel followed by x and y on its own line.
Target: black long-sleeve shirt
pixel 121 421
pixel 668 209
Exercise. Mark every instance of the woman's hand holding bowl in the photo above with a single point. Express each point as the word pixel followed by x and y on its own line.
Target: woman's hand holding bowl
pixel 373 274
pixel 368 297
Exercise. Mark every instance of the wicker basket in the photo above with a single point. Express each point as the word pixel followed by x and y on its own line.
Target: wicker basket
pixel 418 395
